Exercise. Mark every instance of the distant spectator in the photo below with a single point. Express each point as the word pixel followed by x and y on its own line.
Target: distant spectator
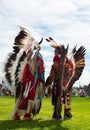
pixel 3 88
pixel 82 93
pixel 7 93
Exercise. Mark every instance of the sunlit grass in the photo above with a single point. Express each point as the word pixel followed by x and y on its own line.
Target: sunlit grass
pixel 42 121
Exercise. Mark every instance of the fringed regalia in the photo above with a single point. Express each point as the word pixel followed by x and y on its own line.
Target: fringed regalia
pixel 64 72
pixel 31 82
pixel 24 75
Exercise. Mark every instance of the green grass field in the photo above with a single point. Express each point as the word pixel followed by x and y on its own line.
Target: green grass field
pixel 80 120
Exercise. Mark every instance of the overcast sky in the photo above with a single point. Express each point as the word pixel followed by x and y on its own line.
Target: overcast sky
pixel 67 21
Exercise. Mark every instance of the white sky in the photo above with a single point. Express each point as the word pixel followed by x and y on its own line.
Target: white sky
pixel 67 21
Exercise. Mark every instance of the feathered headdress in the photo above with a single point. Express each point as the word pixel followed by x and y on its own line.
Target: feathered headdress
pixel 17 59
pixel 79 63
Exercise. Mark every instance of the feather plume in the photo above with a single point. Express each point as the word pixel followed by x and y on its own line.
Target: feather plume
pixel 51 42
pixel 79 64
pixel 12 74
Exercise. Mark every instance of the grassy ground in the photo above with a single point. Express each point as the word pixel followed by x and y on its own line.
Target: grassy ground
pixel 80 120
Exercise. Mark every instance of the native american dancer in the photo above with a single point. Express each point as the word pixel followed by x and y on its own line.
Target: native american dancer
pixel 64 72
pixel 24 75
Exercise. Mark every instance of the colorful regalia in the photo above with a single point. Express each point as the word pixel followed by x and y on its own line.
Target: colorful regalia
pixel 24 75
pixel 64 72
